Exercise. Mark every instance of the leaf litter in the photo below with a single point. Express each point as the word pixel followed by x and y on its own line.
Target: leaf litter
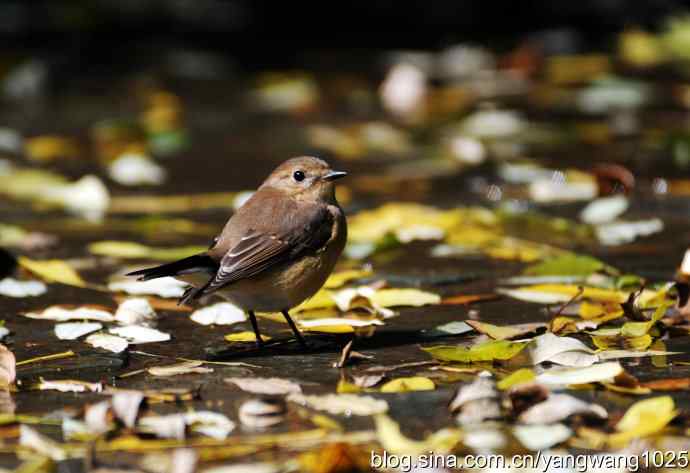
pixel 545 322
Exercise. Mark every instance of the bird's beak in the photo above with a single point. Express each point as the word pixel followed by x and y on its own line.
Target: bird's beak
pixel 333 175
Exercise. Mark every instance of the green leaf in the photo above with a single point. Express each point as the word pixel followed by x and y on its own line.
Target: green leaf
pixel 570 265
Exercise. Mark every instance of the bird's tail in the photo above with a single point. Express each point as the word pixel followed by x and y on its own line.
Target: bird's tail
pixel 191 264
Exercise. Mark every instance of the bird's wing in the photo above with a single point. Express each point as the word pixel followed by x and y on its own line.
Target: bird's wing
pixel 259 250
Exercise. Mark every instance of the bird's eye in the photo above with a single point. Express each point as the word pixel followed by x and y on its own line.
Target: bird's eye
pixel 298 176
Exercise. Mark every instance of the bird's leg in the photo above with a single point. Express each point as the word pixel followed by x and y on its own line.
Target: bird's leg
pixel 295 330
pixel 255 326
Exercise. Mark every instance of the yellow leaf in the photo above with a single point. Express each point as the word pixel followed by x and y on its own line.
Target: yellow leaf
pixel 393 441
pixel 374 225
pixel 53 270
pixel 523 375
pixel 340 278
pixel 345 386
pixel 133 250
pixel 643 418
pixel 494 331
pixel 50 147
pixel 321 300
pixel 413 383
pixel 487 351
pixel 329 328
pixel 632 343
pixel 404 297
pixel 592 310
pixel 245 337
pixel 593 293
pixel 634 390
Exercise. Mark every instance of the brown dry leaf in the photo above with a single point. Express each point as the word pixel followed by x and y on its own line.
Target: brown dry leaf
pixel 503 333
pixel 465 299
pixel 668 384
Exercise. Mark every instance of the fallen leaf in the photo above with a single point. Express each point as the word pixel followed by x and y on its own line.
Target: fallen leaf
pixel 261 413
pixel 414 383
pixel 48 148
pixel 393 441
pixel 70 386
pixel 8 366
pixel 139 334
pixel 558 293
pixel 341 404
pixel 11 287
pixel 74 330
pixel 222 313
pixel 566 265
pixel 107 342
pixel 404 297
pixel 642 419
pixel 209 423
pixel 246 468
pixel 581 375
pixel 541 437
pixel 126 406
pixel 135 169
pixel 487 351
pixel 270 386
pixel 521 376
pixel 561 350
pixel 503 333
pixel 604 209
pixel 163 287
pixel 135 311
pixel 31 439
pixel 133 250
pixel 53 270
pixel 96 417
pixel 668 384
pixel 483 387
pixel 186 367
pixel 336 324
pixel 558 407
pixel 172 426
pixel 464 299
pixel 620 232
pixel 245 337
pixel 64 313
pixel 340 278
pixel 454 328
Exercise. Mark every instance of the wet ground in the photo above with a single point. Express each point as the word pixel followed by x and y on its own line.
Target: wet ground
pixel 232 144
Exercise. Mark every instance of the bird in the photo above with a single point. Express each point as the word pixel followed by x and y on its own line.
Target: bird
pixel 276 250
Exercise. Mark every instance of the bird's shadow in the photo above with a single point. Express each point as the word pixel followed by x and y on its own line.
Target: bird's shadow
pixel 320 344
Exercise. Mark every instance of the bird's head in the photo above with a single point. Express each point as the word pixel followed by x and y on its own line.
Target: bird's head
pixel 305 177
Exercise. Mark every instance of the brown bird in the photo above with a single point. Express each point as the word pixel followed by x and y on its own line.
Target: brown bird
pixel 276 251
